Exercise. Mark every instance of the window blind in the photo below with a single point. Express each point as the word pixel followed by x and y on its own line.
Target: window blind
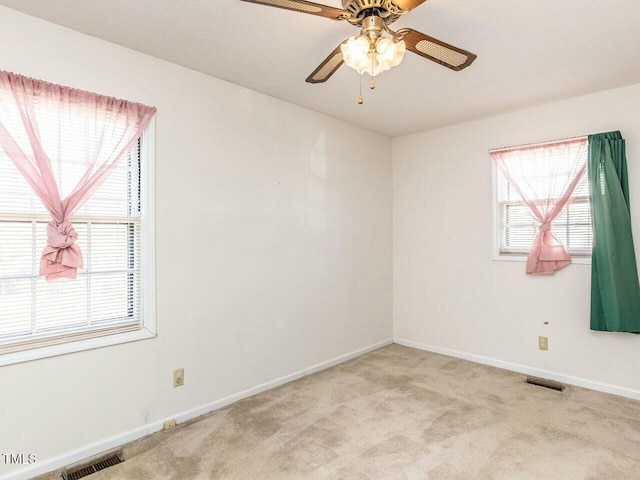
pixel 517 227
pixel 106 297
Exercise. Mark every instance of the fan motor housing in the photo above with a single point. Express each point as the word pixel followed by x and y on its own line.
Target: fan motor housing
pixel 360 9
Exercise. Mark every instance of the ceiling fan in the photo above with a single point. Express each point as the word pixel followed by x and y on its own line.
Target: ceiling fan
pixel 371 52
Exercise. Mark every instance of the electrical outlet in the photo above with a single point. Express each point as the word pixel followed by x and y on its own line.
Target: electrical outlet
pixel 169 424
pixel 543 343
pixel 178 377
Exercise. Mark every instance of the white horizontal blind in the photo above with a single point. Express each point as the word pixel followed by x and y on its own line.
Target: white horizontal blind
pixel 106 296
pixel 517 227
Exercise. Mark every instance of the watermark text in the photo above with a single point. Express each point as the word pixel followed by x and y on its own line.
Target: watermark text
pixel 18 458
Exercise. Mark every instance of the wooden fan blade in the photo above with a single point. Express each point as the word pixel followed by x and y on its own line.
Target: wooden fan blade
pixel 437 51
pixel 304 7
pixel 408 4
pixel 327 68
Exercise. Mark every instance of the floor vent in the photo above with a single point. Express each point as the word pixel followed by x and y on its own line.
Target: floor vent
pixel 94 466
pixel 543 382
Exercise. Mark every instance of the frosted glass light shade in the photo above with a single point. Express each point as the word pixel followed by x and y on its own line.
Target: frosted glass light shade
pixel 390 54
pixel 355 53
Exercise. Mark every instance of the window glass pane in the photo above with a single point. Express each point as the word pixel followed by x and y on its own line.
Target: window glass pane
pixel 519 215
pixel 15 305
pixel 519 238
pixel 110 246
pixel 111 295
pixel 16 196
pixel 60 304
pixel 581 238
pixel 560 231
pixel 118 196
pixel 16 248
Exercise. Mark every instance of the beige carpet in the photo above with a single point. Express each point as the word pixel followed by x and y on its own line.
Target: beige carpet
pixel 400 413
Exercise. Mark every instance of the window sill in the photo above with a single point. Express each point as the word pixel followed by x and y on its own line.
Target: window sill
pixel 78 346
pixel 521 258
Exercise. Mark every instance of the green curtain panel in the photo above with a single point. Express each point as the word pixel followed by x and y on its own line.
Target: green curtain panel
pixel 615 291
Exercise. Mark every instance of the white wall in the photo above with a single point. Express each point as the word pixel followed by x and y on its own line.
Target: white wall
pixel 273 247
pixel 450 295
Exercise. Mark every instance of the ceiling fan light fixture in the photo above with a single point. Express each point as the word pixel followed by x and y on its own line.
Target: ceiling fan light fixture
pixel 359 54
pixel 370 52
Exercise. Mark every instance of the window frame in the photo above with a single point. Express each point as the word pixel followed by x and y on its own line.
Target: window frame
pixel 148 321
pixel 497 255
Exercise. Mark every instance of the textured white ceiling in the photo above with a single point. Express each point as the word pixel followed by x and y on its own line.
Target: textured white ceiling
pixel 528 51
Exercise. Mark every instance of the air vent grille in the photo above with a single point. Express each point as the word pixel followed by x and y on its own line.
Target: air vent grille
pixel 544 382
pixel 93 467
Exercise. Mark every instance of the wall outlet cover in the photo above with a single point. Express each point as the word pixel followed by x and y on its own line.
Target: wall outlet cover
pixel 543 343
pixel 178 377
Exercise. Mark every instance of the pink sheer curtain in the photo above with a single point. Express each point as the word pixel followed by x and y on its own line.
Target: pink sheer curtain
pixel 65 143
pixel 545 185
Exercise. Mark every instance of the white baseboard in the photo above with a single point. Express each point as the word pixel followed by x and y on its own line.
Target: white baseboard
pixel 119 440
pixel 515 367
pixel 223 402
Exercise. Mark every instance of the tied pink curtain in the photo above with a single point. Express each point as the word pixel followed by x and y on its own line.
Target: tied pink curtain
pixel 65 143
pixel 545 185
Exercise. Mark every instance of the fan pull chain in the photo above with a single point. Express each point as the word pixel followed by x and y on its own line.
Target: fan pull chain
pixel 372 85
pixel 360 99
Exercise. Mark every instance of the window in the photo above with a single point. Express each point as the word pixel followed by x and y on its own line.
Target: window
pixel 112 298
pixel 548 175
